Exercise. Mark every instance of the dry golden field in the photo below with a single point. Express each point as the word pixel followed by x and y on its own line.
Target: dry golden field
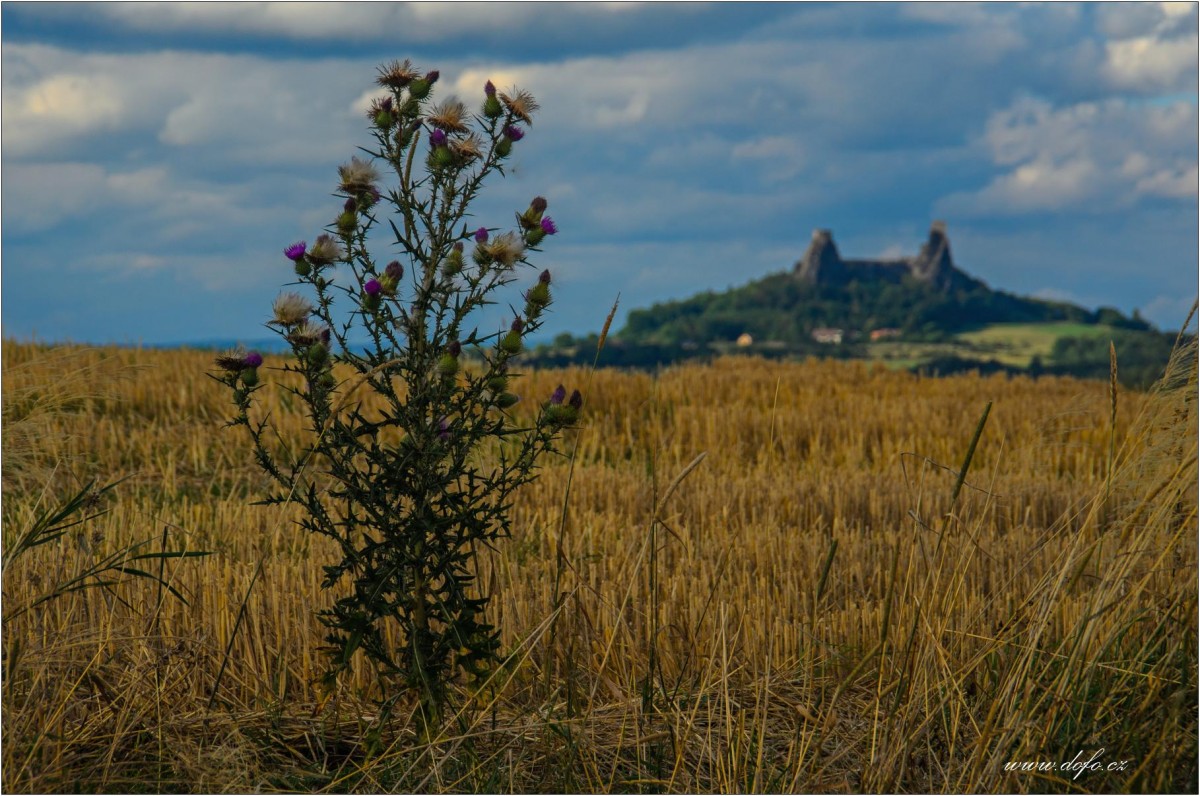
pixel 750 576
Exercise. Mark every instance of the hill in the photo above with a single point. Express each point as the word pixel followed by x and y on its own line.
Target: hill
pixel 918 312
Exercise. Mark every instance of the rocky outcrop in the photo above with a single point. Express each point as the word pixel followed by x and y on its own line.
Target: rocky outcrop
pixel 822 264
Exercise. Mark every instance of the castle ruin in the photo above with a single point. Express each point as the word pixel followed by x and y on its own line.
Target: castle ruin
pixel 822 264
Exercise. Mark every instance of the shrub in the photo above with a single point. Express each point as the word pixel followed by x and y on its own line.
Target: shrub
pixel 409 492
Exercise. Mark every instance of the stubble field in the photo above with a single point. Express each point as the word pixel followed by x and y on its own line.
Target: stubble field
pixel 747 576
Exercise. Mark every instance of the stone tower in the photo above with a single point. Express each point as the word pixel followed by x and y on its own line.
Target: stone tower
pixel 821 264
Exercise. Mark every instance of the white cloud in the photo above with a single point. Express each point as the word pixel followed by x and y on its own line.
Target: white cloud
pixel 1152 64
pixel 252 109
pixel 45 110
pixel 782 156
pixel 320 21
pixel 1089 156
pixel 43 195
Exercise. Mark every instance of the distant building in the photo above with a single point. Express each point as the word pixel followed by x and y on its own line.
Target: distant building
pixel 883 334
pixel 744 339
pixel 828 336
pixel 822 264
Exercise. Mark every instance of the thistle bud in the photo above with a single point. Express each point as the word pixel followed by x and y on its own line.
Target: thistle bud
pixel 249 377
pixel 419 89
pixel 447 366
pixel 576 401
pixel 454 349
pixel 303 268
pixel 533 215
pixel 371 291
pixel 537 298
pixel 326 380
pixel 318 354
pixel 454 261
pixel 498 383
pixel 534 235
pixel 506 399
pixel 391 278
pixel 491 106
pixel 511 343
pixel 504 147
pixel 443 430
pixel 558 396
pixel 544 277
pixel 346 222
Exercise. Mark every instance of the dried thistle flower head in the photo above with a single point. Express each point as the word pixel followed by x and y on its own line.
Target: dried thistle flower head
pixel 325 250
pixel 358 176
pixel 466 149
pixel 520 104
pixel 291 309
pixel 450 115
pixel 232 361
pixel 396 75
pixel 308 333
pixel 506 249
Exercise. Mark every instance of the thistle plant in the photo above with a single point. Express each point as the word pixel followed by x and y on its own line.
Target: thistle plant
pixel 410 484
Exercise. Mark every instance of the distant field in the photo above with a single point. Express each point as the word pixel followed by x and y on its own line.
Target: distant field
pixel 809 610
pixel 1013 344
pixel 1018 343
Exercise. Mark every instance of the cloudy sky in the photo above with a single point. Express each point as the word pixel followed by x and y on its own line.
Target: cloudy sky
pixel 157 157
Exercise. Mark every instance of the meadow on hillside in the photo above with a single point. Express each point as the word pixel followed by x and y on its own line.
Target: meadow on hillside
pixel 747 576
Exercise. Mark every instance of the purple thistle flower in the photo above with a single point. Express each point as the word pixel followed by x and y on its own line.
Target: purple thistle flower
pixel 481 235
pixel 295 252
pixel 539 204
pixel 458 247
pixel 385 104
pixel 432 77
pixel 517 325
pixel 252 359
pixel 576 401
pixel 325 335
pixel 350 206
pixel 394 270
pixel 437 138
pixel 489 89
pixel 558 396
pixel 544 278
pixel 454 349
pixel 548 226
pixel 514 133
pixel 443 430
pixel 372 287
